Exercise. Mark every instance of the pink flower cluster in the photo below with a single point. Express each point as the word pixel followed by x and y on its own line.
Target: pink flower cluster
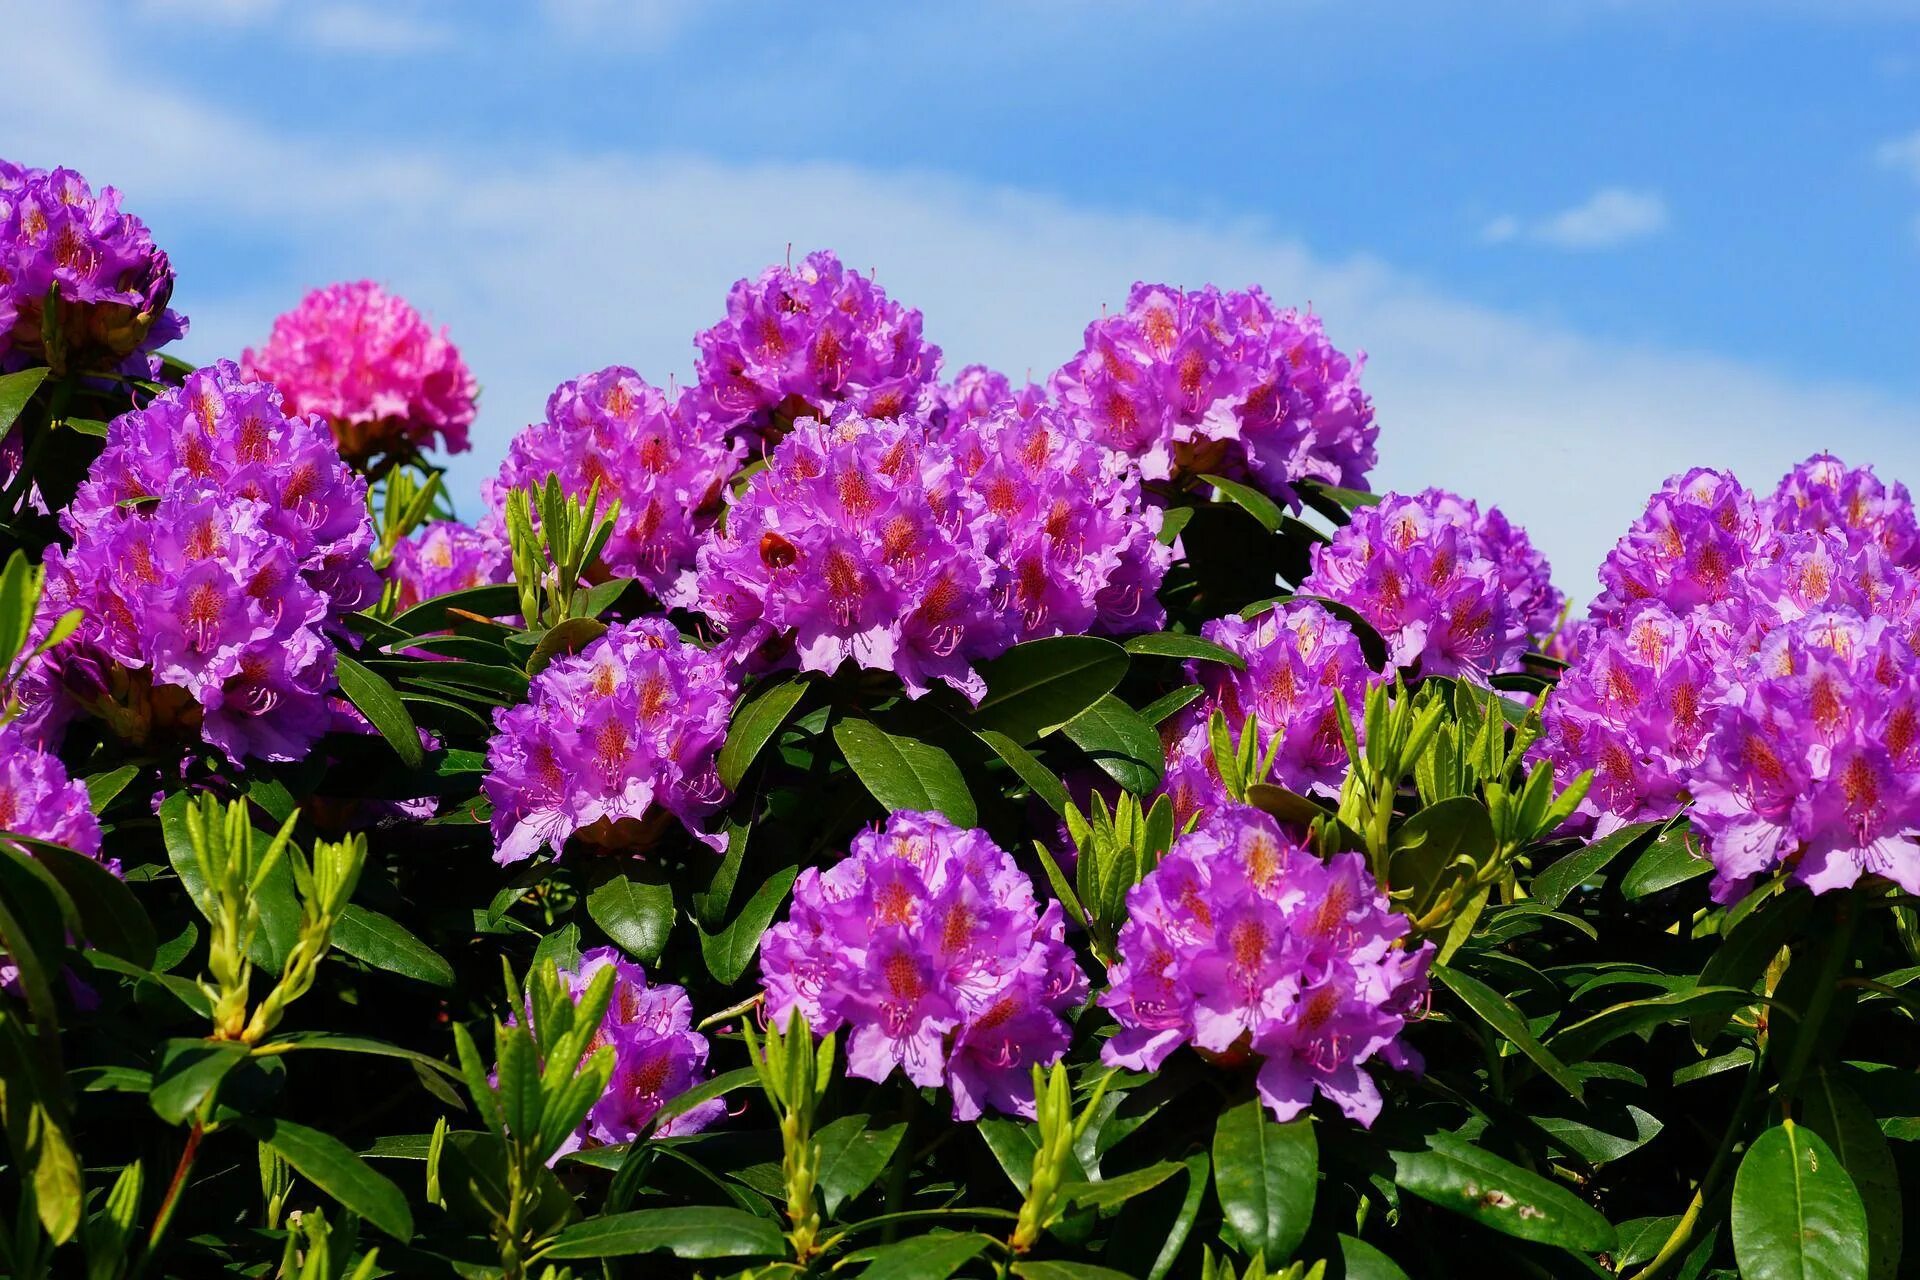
pixel 665 468
pixel 1298 657
pixel 975 392
pixel 611 744
pixel 802 341
pixel 39 800
pixel 875 543
pixel 657 1055
pixel 1206 382
pixel 926 943
pixel 1452 592
pixel 448 556
pixel 1243 942
pixel 112 283
pixel 368 363
pixel 217 545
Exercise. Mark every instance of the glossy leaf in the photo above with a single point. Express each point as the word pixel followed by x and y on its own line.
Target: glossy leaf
pixel 1796 1214
pixel 731 950
pixel 1831 1110
pixel 852 1155
pixel 1463 1178
pixel 636 914
pixel 1499 1013
pixel 1033 689
pixel 383 942
pixel 696 1232
pixel 1265 1175
pixel 382 707
pixel 755 721
pixel 1123 745
pixel 902 773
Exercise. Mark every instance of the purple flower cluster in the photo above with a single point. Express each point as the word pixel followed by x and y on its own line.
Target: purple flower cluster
pixel 1203 382
pixel 448 556
pixel 39 800
pixel 366 361
pixel 1452 591
pixel 1698 535
pixel 664 468
pixel 657 1055
pixel 1298 657
pixel 801 341
pixel 926 942
pixel 875 543
pixel 217 543
pixel 612 743
pixel 1243 942
pixel 1823 495
pixel 976 392
pixel 113 284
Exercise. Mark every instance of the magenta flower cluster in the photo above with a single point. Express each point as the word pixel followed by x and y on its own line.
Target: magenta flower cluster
pixel 1206 382
pixel 217 546
pixel 925 943
pixel 657 1055
pixel 447 556
pixel 1242 942
pixel 39 800
pixel 665 468
pixel 875 543
pixel 1453 592
pixel 62 242
pixel 1298 658
pixel 611 744
pixel 975 392
pixel 801 341
pixel 367 362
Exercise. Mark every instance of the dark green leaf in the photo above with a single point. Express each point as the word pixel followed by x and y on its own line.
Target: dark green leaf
pixel 103 787
pixel 1552 885
pixel 1626 1131
pixel 1253 502
pixel 189 1073
pixel 1039 779
pixel 385 943
pixel 902 773
pixel 333 1041
pixel 1168 703
pixel 494 601
pixel 1066 1271
pixel 1837 1115
pixel 110 916
pixel 1125 746
pixel 1496 1193
pixel 700 1232
pixel 1364 1262
pixel 1117 1190
pixel 1265 1174
pixel 1671 859
pixel 731 950
pixel 757 719
pixel 1035 688
pixel 16 389
pixel 1581 1040
pixel 1500 1013
pixel 331 1166
pixel 1796 1214
pixel 1173 644
pixel 568 636
pixel 852 1156
pixel 382 707
pixel 636 914
pixel 928 1257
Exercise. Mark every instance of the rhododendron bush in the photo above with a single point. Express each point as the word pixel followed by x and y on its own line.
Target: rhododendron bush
pixel 842 815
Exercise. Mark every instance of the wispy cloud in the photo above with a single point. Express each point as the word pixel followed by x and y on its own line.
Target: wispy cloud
pixel 1610 217
pixel 1902 155
pixel 336 26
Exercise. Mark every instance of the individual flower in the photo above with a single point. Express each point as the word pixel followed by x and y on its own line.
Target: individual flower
pixel 1241 941
pixel 1635 707
pixel 1452 592
pixel 218 546
pixel 1699 533
pixel 1298 658
pixel 657 1055
pixel 926 944
pixel 367 362
pixel 611 744
pixel 1823 495
pixel 448 556
pixel 665 470
pixel 1813 763
pixel 1191 383
pixel 39 800
pixel 62 243
pixel 801 341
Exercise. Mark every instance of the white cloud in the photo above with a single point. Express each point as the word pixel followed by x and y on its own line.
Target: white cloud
pixel 548 266
pixel 1610 216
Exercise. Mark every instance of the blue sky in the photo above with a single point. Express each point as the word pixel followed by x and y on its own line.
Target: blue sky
pixel 1584 243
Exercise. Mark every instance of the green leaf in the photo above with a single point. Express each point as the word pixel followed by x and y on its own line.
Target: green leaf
pixel 720 1085
pixel 1125 746
pixel 1597 1145
pixel 1504 1017
pixel 1166 704
pixel 189 1072
pixel 636 914
pixel 1555 883
pixel 1458 1176
pixel 1670 860
pixel 16 389
pixel 1364 1262
pixel 928 1257
pixel 1034 688
pixel 1254 503
pixel 493 601
pixel 1837 1115
pixel 103 787
pixel 1066 1271
pixel 568 636
pixel 1265 1174
pixel 86 427
pixel 1039 779
pixel 1796 1214
pixel 383 709
pixel 1198 1165
pixel 385 943
pixel 111 918
pixel 702 1232
pixel 731 950
pixel 757 719
pixel 852 1156
pixel 1117 1190
pixel 334 1041
pixel 331 1166
pixel 1580 1041
pixel 1173 644
pixel 902 773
